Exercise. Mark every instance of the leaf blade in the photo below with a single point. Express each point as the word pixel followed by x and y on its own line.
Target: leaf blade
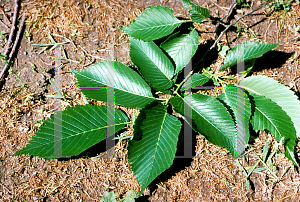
pixel 252 50
pixel 130 90
pixel 239 104
pixel 80 128
pixel 210 118
pixel 155 152
pixel 197 80
pixel 268 115
pixel 182 49
pixel 198 13
pixel 277 92
pixel 152 63
pixel 154 23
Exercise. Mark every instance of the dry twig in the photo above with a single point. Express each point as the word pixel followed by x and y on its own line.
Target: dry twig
pixel 2 11
pixel 5 188
pixel 18 36
pixel 232 6
pixel 93 60
pixel 227 27
pixel 93 56
pixel 12 31
pixel 13 50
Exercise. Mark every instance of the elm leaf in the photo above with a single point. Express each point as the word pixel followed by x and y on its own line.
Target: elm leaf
pixel 238 104
pixel 152 63
pixel 155 152
pixel 276 92
pixel 268 115
pixel 209 118
pixel 130 89
pixel 155 22
pixel 181 49
pixel 252 50
pixel 73 130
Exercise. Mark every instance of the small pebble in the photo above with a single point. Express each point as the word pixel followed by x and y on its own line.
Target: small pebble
pixel 116 159
pixel 6 8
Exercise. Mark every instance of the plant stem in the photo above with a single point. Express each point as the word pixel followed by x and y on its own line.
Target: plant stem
pixel 185 79
pixel 229 77
pixel 163 99
pixel 196 26
pixel 168 99
pixel 130 122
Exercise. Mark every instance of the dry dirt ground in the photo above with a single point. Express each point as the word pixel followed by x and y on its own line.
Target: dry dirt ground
pixel 91 27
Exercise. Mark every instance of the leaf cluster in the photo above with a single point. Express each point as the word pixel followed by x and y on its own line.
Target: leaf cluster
pixel 256 101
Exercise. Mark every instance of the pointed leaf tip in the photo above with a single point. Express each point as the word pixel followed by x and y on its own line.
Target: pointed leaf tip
pixel 268 115
pixel 198 13
pixel 129 88
pixel 186 3
pixel 249 49
pixel 70 132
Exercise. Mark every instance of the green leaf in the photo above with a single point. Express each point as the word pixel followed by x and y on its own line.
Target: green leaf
pixel 130 89
pixel 186 3
pixel 154 23
pixel 182 49
pixel 76 129
pixel 248 66
pixel 215 81
pixel 196 80
pixel 109 197
pixel 198 13
pixel 130 196
pixel 223 51
pixel 153 64
pixel 252 49
pixel 265 151
pixel 268 115
pixel 238 103
pixel 210 118
pixel 171 37
pixel 278 93
pixel 155 152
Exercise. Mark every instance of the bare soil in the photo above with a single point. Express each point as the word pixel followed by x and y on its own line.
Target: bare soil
pixel 91 27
